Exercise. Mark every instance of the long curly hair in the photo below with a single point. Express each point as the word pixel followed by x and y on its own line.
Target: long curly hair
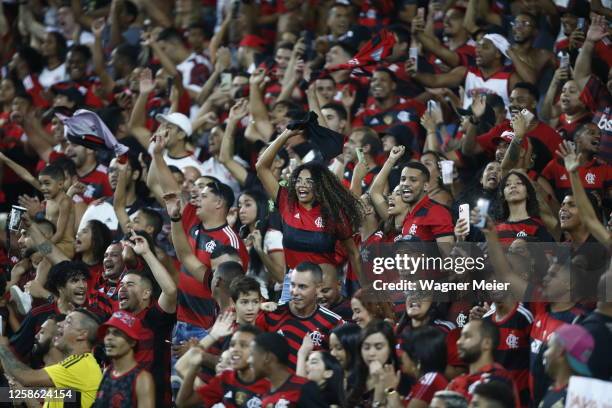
pixel 338 204
pixel 533 208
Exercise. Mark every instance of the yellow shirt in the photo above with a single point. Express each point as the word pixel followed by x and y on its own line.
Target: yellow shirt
pixel 79 373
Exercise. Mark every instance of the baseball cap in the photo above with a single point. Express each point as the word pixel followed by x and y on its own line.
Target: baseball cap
pixel 177 119
pixel 578 345
pixel 507 137
pixel 124 321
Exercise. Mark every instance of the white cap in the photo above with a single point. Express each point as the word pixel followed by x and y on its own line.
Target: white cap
pixel 177 119
pixel 500 42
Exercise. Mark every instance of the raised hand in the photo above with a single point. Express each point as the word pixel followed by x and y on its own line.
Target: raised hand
pixel 239 110
pixel 97 27
pixel 139 244
pixel 396 153
pixel 146 84
pixel 173 204
pixel 307 346
pixel 31 204
pixel 224 59
pixel 598 28
pixel 158 141
pixel 567 151
pixel 479 104
pixel 223 326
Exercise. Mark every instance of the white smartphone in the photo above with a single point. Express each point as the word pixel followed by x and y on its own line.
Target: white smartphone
pixel 414 55
pixel 226 81
pixel 565 61
pixel 464 213
pixel 527 115
pixel 483 208
pixel 431 105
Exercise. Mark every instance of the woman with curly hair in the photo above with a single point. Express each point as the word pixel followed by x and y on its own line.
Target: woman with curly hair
pixel 316 211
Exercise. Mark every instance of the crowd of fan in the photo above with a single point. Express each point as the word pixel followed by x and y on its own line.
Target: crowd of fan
pixel 219 262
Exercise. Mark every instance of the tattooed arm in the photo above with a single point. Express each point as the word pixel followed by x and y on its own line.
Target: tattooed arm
pixel 21 372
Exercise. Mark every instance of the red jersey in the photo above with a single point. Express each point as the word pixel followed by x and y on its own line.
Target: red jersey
pixel 404 112
pixel 532 227
pixel 227 388
pixel 466 383
pixel 595 177
pixel 428 220
pixel 427 386
pixel 542 132
pixel 568 129
pixel 513 349
pixel 305 238
pixel 294 328
pixel 195 303
pixel 296 392
pixel 97 184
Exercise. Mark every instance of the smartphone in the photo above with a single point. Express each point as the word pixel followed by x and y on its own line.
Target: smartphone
pixel 421 12
pixel 431 105
pixel 464 213
pixel 226 81
pixel 146 25
pixel 169 85
pixel 360 157
pixel 414 55
pixel 1 326
pixel 580 24
pixel 483 208
pixel 565 61
pixel 527 115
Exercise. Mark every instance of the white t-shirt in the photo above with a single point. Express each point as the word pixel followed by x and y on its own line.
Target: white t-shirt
pixel 183 162
pixel 212 167
pixel 272 242
pixel 48 78
pixel 195 70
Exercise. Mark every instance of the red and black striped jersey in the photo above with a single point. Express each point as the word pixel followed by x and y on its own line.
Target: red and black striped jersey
pixel 542 132
pixel 195 304
pixel 97 184
pixel 428 220
pixel 426 387
pixel 294 328
pixel 595 176
pixel 227 388
pixel 513 349
pixel 404 112
pixel 367 180
pixel 567 129
pixel 296 392
pixel 466 383
pixel 531 227
pixel 305 237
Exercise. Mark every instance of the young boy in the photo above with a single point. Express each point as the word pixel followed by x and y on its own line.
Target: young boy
pixel 124 383
pixel 58 208
pixel 246 294
pixel 236 387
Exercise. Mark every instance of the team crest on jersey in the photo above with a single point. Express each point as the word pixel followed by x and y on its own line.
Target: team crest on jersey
pixel 319 222
pixel 254 402
pixel 590 178
pixel 282 403
pixel 412 230
pixel 521 234
pixel 317 338
pixel 403 116
pixel 512 341
pixel 461 319
pixel 210 246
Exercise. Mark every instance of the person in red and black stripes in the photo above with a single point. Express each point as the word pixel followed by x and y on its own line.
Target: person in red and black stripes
pixel 234 388
pixel 269 358
pixel 113 268
pixel 316 211
pixel 513 321
pixel 89 172
pixel 137 295
pixel 125 384
pixel 595 175
pixel 196 232
pixel 570 112
pixel 426 219
pixel 301 316
pixel 479 340
pixel 369 142
pixel 386 108
pixel 330 295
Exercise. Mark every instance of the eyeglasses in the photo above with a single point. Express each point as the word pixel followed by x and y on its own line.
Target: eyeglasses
pixel 521 24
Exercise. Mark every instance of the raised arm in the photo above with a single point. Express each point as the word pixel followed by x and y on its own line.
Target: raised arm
pixel 226 151
pixel 191 362
pixel 179 238
pixel 450 79
pixel 264 164
pixel 223 62
pixel 20 171
pixel 167 299
pixel 597 31
pixel 97 28
pixel 550 111
pixel 379 184
pixel 119 199
pixel 586 212
pixel 469 144
pixel 259 114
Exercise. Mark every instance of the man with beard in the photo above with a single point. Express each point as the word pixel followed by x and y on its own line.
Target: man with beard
pixel 524 30
pixel 301 316
pixel 478 341
pixel 426 219
pixel 269 358
pixel 137 295
pixel 92 175
pixel 125 384
pixel 113 268
pixel 78 373
pixel 67 281
pixel 523 96
pixel 44 349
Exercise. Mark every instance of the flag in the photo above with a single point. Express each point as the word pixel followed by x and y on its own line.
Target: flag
pixel 85 128
pixel 373 52
pixel 326 141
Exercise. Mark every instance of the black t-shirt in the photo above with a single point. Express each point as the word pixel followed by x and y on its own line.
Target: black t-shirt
pixel 600 327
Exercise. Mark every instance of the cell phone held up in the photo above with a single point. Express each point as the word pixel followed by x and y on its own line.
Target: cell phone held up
pixel 464 214
pixel 483 209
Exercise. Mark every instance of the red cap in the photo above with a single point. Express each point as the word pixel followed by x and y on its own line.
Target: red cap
pixel 252 41
pixel 507 137
pixel 124 321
